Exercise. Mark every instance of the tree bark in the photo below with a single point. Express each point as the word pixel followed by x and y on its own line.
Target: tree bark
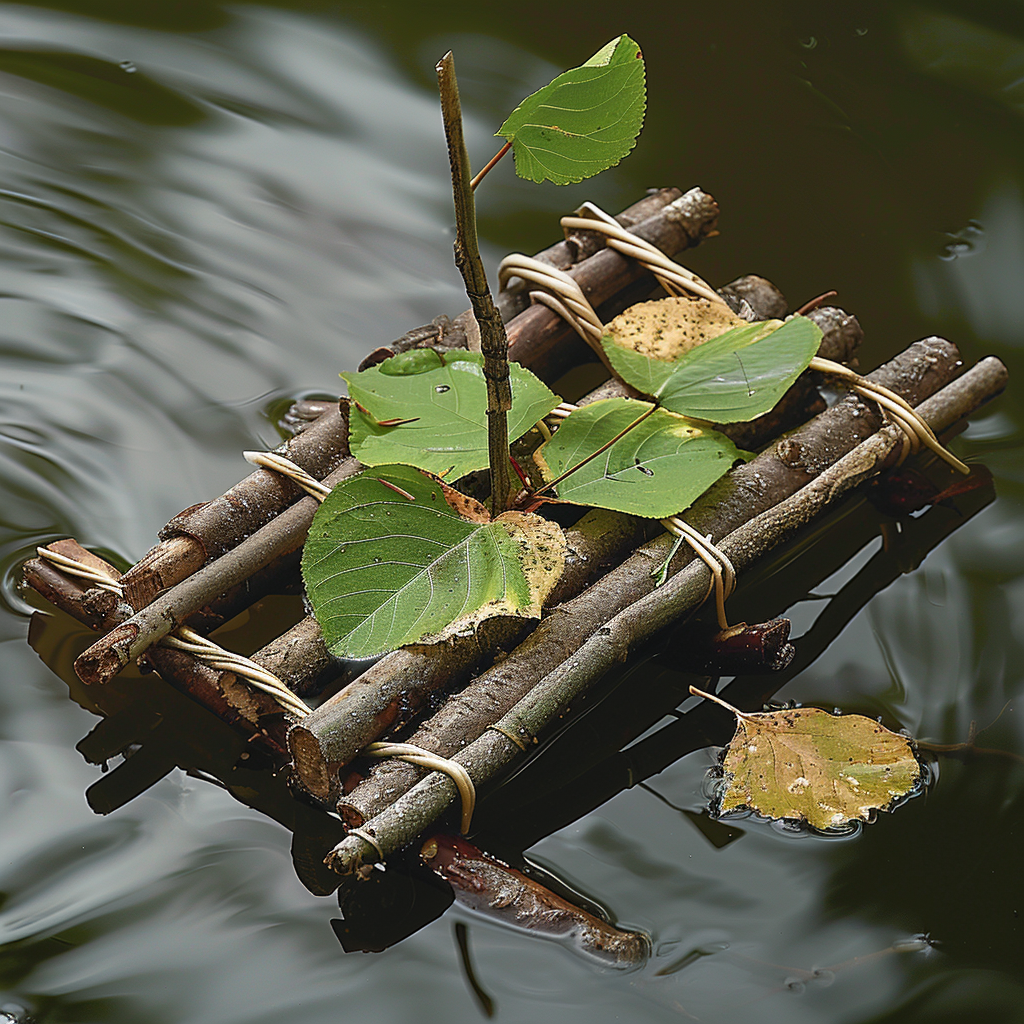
pixel 537 338
pixel 493 341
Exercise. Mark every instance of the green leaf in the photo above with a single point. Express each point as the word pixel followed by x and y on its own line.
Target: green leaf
pixel 736 376
pixel 386 567
pixel 584 121
pixel 808 765
pixel 447 403
pixel 656 470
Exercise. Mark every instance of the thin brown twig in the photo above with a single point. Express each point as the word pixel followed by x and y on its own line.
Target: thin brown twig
pixel 493 339
pixel 487 166
pixel 815 303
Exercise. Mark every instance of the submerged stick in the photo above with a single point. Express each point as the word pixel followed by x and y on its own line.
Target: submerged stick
pixel 744 492
pixel 496 749
pixel 490 887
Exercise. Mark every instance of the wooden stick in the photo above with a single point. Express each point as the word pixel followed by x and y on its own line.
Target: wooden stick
pixel 134 636
pixel 493 341
pixel 494 750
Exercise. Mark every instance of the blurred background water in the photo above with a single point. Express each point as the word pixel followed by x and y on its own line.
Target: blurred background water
pixel 207 209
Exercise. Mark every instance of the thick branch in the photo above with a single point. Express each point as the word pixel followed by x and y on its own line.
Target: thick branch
pixel 493 751
pixel 134 636
pixel 493 341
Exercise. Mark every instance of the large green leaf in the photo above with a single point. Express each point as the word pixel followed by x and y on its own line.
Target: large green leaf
pixel 385 567
pixel 737 376
pixel 446 403
pixel 656 470
pixel 584 121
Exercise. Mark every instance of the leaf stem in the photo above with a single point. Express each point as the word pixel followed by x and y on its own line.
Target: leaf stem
pixel 490 163
pixel 593 455
pixel 493 340
pixel 718 700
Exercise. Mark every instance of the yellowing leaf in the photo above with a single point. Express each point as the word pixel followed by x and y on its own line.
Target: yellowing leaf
pixel 396 557
pixel 669 328
pixel 733 377
pixel 808 765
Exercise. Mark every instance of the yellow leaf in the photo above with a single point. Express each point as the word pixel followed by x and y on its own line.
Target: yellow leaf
pixel 808 765
pixel 669 328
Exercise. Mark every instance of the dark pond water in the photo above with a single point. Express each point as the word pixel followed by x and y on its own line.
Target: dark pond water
pixel 207 209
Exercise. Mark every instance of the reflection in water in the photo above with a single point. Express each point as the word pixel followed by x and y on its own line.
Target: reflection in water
pixel 262 200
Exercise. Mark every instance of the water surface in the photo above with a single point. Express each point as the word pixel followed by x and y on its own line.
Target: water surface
pixel 206 210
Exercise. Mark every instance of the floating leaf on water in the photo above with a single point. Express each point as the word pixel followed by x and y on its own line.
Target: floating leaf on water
pixel 584 121
pixel 734 377
pixel 417 562
pixel 438 411
pixel 808 765
pixel 656 470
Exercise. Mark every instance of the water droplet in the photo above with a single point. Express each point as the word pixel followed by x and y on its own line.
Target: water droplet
pixel 809 44
pixel 442 388
pixel 861 31
pixel 128 67
pixel 963 243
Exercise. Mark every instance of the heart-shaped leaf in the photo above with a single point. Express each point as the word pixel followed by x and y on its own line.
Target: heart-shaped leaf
pixel 430 410
pixel 396 557
pixel 736 376
pixel 808 765
pixel 655 470
pixel 584 121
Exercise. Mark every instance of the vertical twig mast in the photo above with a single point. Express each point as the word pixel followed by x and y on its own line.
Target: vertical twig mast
pixel 493 341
